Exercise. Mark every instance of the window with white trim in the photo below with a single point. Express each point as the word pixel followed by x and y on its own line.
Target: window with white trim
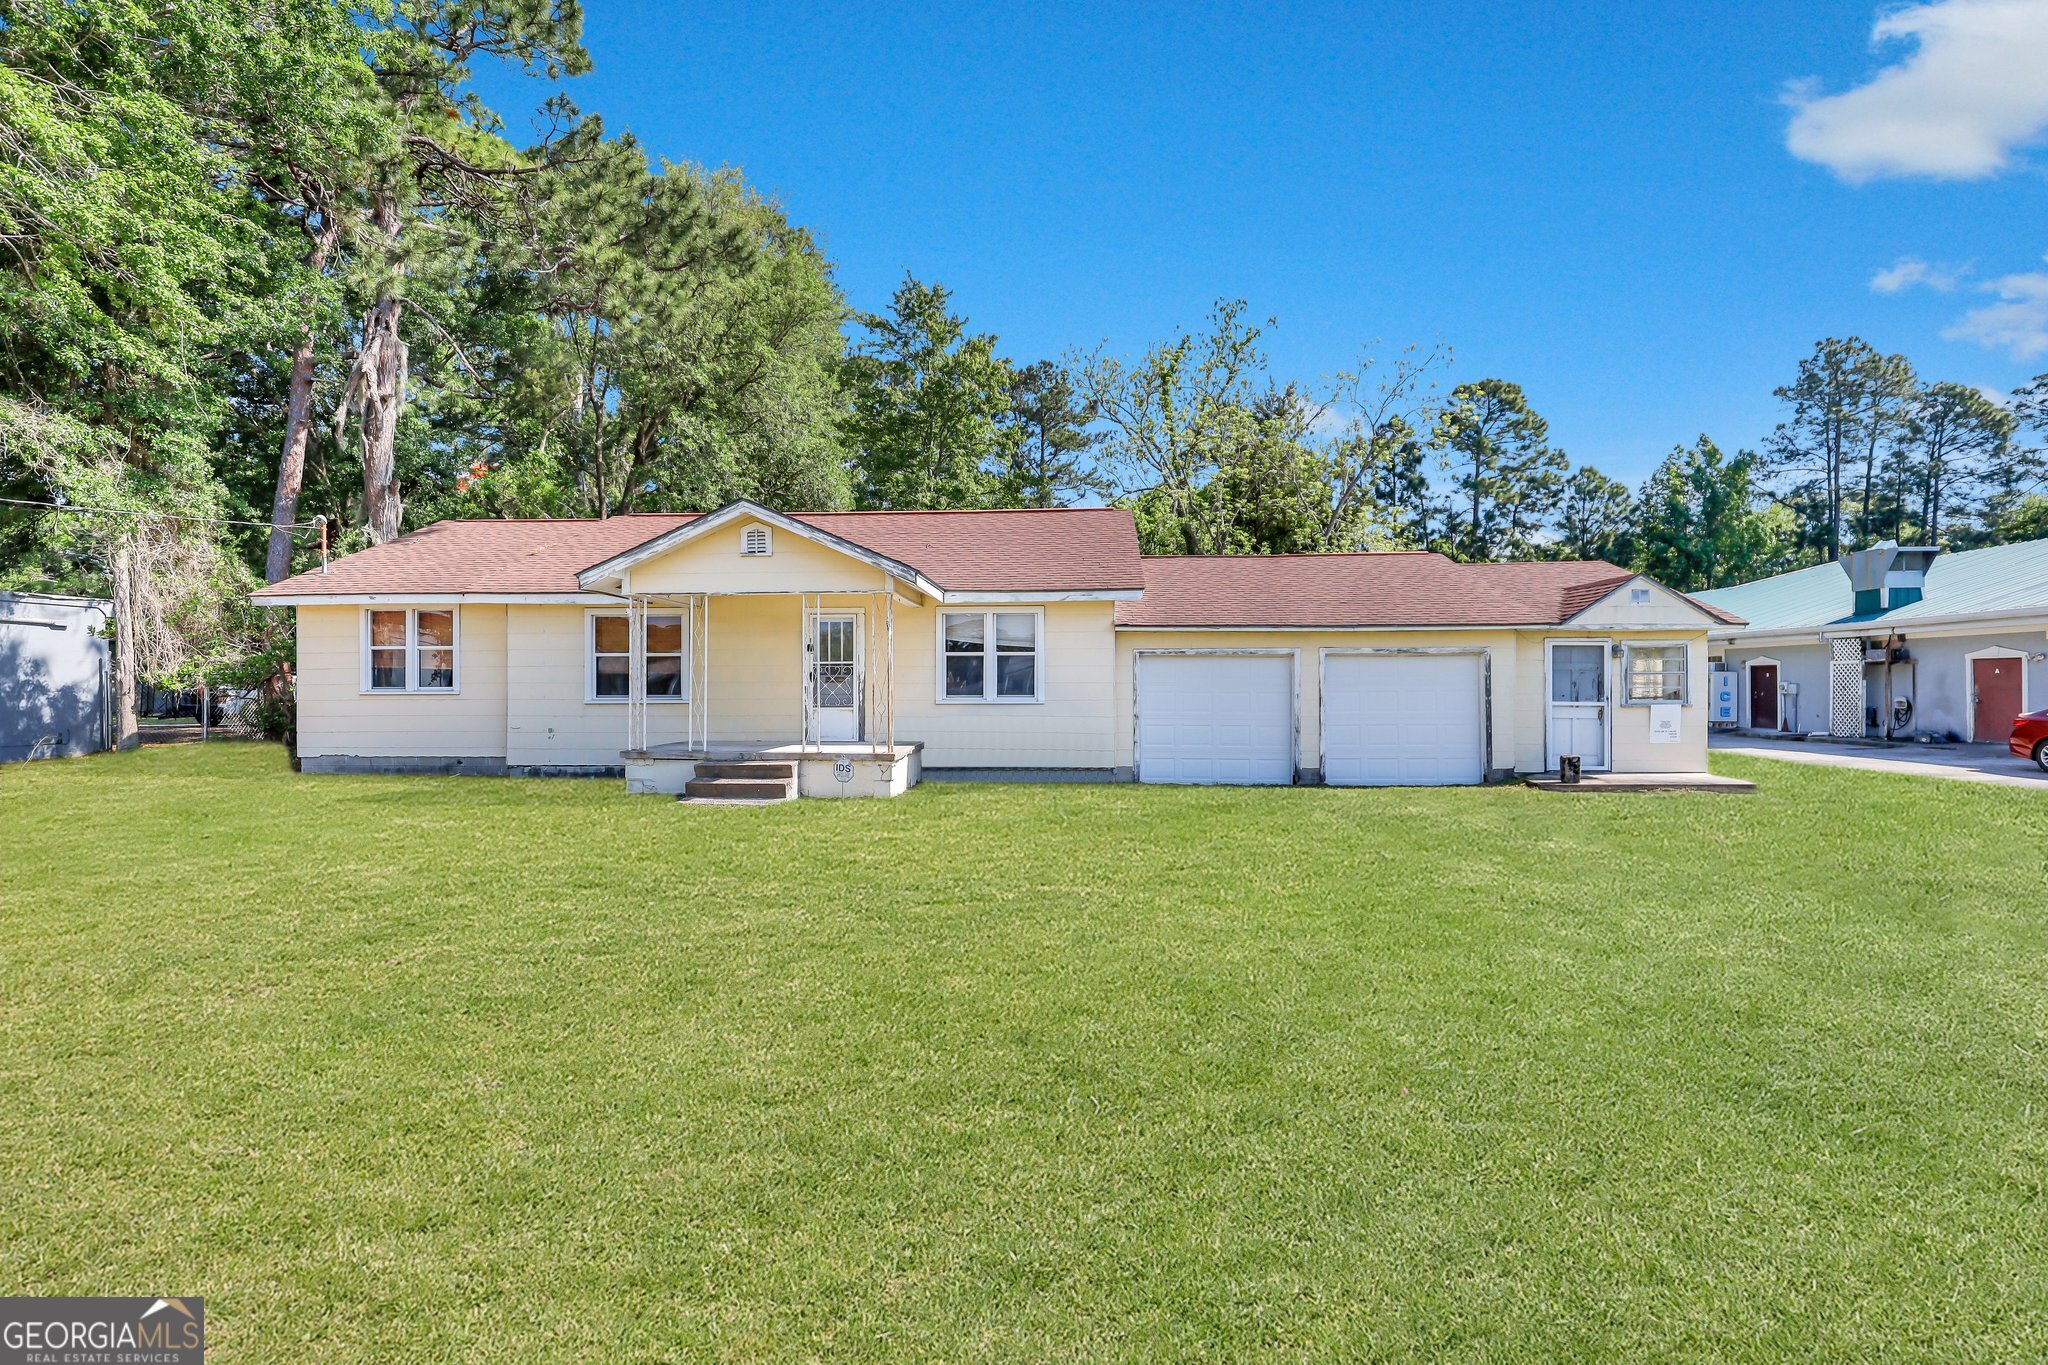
pixel 608 672
pixel 991 656
pixel 409 649
pixel 756 540
pixel 1655 673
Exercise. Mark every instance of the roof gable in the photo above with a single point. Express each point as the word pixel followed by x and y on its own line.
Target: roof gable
pixel 609 572
pixel 1613 603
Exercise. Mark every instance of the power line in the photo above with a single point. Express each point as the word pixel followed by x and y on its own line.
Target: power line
pixel 168 516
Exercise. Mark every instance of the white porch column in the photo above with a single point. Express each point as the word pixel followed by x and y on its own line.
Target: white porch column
pixel 636 672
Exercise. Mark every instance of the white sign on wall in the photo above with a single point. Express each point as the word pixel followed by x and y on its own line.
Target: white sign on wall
pixel 1664 722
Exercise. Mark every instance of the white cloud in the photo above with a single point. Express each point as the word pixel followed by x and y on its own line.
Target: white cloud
pixel 1908 271
pixel 2016 324
pixel 1973 91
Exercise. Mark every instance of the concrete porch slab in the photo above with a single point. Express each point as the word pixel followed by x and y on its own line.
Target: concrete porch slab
pixel 1643 782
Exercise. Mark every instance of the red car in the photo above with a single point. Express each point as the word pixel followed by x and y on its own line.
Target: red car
pixel 2030 737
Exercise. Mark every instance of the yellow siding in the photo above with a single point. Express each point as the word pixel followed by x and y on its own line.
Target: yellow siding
pixel 1074 727
pixel 523 685
pixel 337 718
pixel 713 563
pixel 1630 732
pixel 1505 674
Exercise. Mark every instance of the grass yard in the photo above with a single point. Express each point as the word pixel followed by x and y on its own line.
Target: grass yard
pixel 462 1069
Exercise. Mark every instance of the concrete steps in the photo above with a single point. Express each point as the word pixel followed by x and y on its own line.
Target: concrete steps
pixel 751 780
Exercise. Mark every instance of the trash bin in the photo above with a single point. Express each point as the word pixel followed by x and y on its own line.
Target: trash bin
pixel 1567 767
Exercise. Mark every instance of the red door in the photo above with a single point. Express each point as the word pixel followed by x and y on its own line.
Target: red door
pixel 1763 697
pixel 1995 697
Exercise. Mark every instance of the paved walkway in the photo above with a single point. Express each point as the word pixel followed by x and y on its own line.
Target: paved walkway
pixel 1962 762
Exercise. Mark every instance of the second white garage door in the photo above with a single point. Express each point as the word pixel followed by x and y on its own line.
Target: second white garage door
pixel 1403 720
pixel 1216 718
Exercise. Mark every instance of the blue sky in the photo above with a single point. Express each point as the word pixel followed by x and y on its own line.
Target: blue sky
pixel 1597 201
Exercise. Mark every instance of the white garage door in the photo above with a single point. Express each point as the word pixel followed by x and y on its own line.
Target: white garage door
pixel 1216 718
pixel 1402 720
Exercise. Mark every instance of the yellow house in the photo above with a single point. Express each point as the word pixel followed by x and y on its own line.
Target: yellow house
pixel 747 653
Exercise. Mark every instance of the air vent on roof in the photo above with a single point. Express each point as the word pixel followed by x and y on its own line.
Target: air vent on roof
pixel 754 541
pixel 1888 575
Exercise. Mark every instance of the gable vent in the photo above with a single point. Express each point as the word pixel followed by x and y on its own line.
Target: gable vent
pixel 754 541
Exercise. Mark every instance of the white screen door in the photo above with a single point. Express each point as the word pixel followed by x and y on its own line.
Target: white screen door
pixel 835 677
pixel 1578 703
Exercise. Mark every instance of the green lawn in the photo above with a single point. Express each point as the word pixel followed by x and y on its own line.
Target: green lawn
pixel 463 1069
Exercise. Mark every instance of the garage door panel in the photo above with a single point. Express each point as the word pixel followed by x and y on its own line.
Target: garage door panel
pixel 1403 719
pixel 1216 719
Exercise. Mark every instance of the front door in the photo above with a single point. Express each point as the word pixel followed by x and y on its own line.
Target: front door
pixel 835 680
pixel 1763 697
pixel 1578 704
pixel 1994 697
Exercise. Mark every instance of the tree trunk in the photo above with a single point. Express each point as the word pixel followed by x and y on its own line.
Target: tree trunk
pixel 381 375
pixel 383 394
pixel 298 424
pixel 127 734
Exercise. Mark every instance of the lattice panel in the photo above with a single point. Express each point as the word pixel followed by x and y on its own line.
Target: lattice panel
pixel 1845 690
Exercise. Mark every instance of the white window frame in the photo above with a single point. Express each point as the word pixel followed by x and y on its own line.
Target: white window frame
pixel 1684 649
pixel 767 535
pixel 412 654
pixel 590 697
pixel 988 695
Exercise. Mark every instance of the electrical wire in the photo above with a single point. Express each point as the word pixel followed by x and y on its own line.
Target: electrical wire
pixel 168 516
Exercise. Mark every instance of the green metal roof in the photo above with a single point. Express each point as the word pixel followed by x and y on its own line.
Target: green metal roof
pixel 2002 578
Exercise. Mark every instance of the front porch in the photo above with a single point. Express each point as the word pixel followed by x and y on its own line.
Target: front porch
pixel 812 768
pixel 703 676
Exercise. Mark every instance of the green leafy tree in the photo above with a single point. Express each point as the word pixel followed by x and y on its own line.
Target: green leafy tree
pixel 452 174
pixel 1507 476
pixel 1845 403
pixel 1955 441
pixel 1888 390
pixel 1702 524
pixel 927 402
pixel 1049 456
pixel 686 350
pixel 1596 518
pixel 1174 418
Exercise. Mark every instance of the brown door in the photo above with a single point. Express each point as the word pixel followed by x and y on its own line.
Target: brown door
pixel 1995 697
pixel 1763 697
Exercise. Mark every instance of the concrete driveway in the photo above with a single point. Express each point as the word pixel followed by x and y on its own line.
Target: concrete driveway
pixel 1962 762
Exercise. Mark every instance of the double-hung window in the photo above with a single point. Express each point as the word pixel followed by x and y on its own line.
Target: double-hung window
pixel 409 649
pixel 609 674
pixel 1655 673
pixel 992 656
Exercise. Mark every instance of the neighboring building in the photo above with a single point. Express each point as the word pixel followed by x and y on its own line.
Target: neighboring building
pixel 1893 641
pixel 868 647
pixel 53 676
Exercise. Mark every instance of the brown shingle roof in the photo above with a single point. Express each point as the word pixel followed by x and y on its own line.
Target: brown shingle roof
pixel 1409 588
pixel 1062 550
